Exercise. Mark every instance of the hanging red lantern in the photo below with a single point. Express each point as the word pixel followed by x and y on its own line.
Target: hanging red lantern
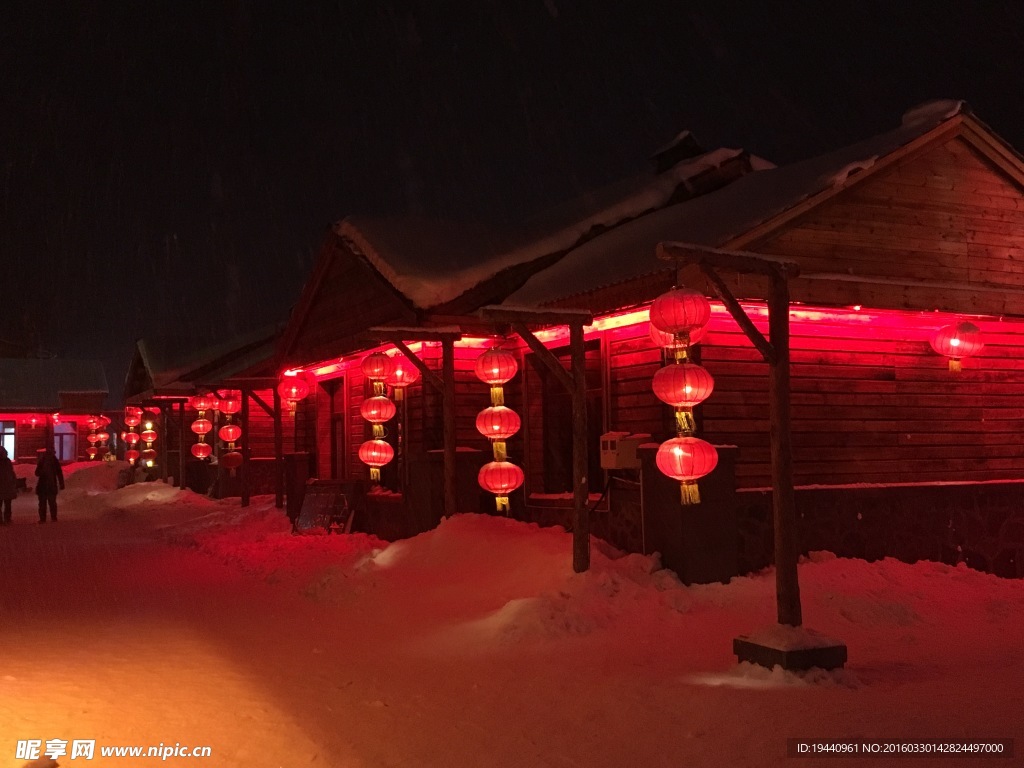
pixel 148 456
pixel 687 459
pixel 132 421
pixel 403 374
pixel 132 456
pixel 149 436
pixel 375 454
pixel 229 433
pixel 293 388
pixel 498 422
pixel 201 450
pixel 92 438
pixel 132 438
pixel 91 452
pixel 496 366
pixel 133 410
pixel 500 478
pixel 103 436
pixel 200 426
pixel 231 460
pixel 378 410
pixel 683 385
pixel 230 404
pixel 91 422
pixel 958 341
pixel 377 366
pixel 681 310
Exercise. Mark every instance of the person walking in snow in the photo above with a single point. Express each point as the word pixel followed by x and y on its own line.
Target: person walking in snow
pixel 8 486
pixel 51 479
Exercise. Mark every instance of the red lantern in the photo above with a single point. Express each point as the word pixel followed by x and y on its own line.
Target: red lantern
pixel 496 366
pixel 671 341
pixel 958 341
pixel 91 422
pixel 102 451
pixel 686 459
pixel 500 478
pixel 148 456
pixel 132 421
pixel 403 374
pixel 681 310
pixel 103 436
pixel 232 403
pixel 149 436
pixel 92 438
pixel 132 438
pixel 293 388
pixel 200 426
pixel 229 433
pixel 202 402
pixel 201 450
pixel 375 454
pixel 683 385
pixel 131 455
pixel 133 410
pixel 104 421
pixel 498 422
pixel 231 460
pixel 378 410
pixel 91 452
pixel 377 366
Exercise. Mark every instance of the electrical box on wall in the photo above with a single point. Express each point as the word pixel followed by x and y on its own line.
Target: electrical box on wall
pixel 618 450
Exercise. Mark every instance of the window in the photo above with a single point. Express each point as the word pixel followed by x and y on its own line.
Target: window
pixel 65 441
pixel 7 432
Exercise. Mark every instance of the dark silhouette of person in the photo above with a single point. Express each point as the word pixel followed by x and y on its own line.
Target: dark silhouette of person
pixel 51 479
pixel 8 486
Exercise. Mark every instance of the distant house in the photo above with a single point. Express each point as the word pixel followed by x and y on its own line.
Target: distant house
pixel 46 402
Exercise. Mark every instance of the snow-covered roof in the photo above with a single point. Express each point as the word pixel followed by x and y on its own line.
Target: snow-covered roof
pixel 432 262
pixel 627 251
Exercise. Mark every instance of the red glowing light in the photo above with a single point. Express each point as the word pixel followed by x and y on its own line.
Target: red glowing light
pixel 681 310
pixel 231 460
pixel 404 373
pixel 293 388
pixel 132 438
pixel 232 403
pixel 496 366
pixel 200 426
pixel 131 455
pixel 686 458
pixel 958 341
pixel 201 450
pixel 683 385
pixel 149 435
pixel 376 453
pixel 498 422
pixel 377 366
pixel 229 433
pixel 500 477
pixel 377 410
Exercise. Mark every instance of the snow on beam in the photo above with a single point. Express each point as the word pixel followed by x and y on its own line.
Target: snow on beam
pixel 740 261
pixel 534 316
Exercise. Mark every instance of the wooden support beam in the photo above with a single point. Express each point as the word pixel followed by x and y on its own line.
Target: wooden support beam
pixel 267 409
pixel 245 447
pixel 278 452
pixel 545 356
pixel 736 261
pixel 739 315
pixel 581 512
pixel 448 414
pixel 526 315
pixel 429 376
pixel 181 443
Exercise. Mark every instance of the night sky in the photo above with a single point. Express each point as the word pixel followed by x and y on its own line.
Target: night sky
pixel 172 167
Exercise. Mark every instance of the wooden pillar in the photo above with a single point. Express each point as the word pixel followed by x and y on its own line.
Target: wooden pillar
pixel 448 414
pixel 580 460
pixel 167 443
pixel 181 444
pixel 787 586
pixel 278 452
pixel 245 447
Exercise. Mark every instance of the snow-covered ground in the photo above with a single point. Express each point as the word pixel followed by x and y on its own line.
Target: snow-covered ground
pixel 150 615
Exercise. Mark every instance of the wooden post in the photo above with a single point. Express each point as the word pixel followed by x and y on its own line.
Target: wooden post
pixel 580 460
pixel 448 414
pixel 181 443
pixel 167 443
pixel 278 452
pixel 245 447
pixel 787 586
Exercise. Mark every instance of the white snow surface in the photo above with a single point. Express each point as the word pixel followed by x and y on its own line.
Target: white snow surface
pixel 150 614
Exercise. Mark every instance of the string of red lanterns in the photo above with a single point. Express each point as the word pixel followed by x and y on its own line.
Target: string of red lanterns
pixel 132 419
pixel 230 433
pixel 681 316
pixel 498 423
pixel 377 452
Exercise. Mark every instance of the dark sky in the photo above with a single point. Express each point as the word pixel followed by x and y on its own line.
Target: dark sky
pixel 172 167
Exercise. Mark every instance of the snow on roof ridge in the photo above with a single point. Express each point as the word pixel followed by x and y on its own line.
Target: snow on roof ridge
pixel 425 290
pixel 935 111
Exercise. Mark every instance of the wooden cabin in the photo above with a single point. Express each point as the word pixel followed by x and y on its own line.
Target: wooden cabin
pixel 46 403
pixel 895 237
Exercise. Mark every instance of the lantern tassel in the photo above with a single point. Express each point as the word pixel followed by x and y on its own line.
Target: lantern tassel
pixel 396 394
pixel 378 388
pixel 375 474
pixel 498 447
pixel 685 425
pixel 501 502
pixel 378 431
pixel 497 395
pixel 954 365
pixel 690 494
